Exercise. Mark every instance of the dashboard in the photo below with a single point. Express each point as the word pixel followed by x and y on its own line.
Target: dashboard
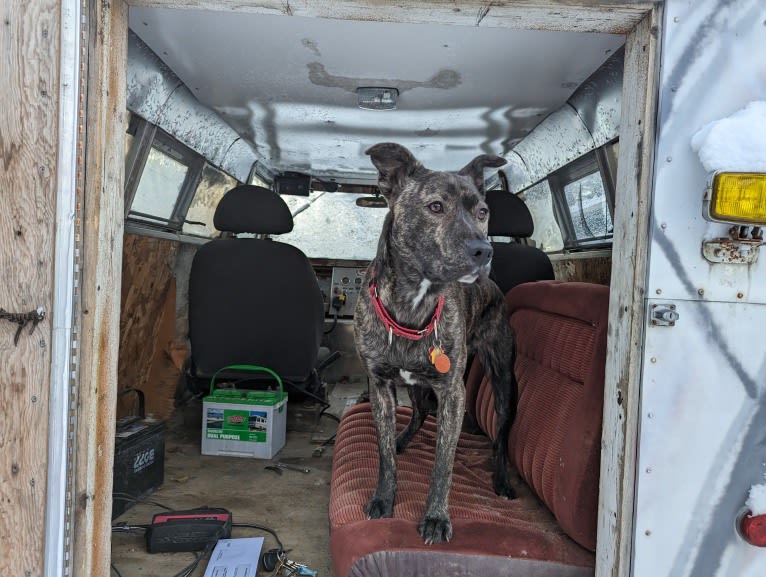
pixel 341 286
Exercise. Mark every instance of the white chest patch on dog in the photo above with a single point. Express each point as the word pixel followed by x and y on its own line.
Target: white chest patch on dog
pixel 424 284
pixel 407 376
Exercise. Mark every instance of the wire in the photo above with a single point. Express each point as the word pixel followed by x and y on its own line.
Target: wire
pixel 133 499
pixel 116 571
pixel 262 528
pixel 334 324
pixel 125 528
pixel 189 569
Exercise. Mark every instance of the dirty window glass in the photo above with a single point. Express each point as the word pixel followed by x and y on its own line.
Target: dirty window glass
pixel 547 234
pixel 212 186
pixel 258 181
pixel 330 225
pixel 161 182
pixel 587 204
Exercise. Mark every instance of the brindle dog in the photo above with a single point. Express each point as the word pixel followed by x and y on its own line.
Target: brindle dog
pixel 429 304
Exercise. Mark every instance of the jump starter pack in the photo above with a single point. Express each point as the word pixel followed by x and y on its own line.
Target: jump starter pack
pixel 189 530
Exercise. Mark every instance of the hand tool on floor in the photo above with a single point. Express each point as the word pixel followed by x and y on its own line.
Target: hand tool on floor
pixel 279 465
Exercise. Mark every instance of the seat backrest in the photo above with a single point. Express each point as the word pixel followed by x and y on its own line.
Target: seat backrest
pixel 555 442
pixel 514 262
pixel 254 300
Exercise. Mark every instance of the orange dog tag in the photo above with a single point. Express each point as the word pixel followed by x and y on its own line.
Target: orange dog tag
pixel 439 360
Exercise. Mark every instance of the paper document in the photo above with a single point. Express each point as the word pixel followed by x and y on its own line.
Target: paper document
pixel 235 558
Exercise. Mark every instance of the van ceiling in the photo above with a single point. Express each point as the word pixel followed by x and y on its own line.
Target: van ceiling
pixel 287 84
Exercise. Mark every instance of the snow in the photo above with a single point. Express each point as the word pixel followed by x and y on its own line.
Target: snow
pixel 736 143
pixel 756 502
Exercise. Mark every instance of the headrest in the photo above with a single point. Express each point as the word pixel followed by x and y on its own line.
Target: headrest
pixel 508 215
pixel 253 209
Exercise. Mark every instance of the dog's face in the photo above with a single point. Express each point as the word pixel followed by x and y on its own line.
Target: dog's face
pixel 438 219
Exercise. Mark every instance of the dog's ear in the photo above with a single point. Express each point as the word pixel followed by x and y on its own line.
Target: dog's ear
pixel 394 163
pixel 475 168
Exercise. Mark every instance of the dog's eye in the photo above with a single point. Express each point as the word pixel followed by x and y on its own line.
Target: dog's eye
pixel 483 214
pixel 436 207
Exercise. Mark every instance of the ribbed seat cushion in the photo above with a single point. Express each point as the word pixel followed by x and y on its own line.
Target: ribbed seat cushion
pixel 492 536
pixel 556 438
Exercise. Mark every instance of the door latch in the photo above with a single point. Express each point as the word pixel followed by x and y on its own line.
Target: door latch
pixel 663 315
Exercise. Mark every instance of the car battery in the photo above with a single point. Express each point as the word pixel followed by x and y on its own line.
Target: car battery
pixel 244 423
pixel 139 457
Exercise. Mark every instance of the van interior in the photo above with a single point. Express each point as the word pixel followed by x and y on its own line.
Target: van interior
pixel 279 110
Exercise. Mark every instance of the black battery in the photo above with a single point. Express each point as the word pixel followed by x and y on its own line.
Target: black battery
pixel 139 457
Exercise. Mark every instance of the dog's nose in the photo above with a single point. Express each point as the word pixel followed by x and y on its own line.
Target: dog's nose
pixel 479 251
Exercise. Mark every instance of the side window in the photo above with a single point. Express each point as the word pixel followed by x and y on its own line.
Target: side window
pixel 547 234
pixel 158 188
pixel 584 199
pixel 588 208
pixel 169 188
pixel 258 181
pixel 212 186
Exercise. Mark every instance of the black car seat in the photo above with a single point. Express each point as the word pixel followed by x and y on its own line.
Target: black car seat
pixel 514 262
pixel 254 301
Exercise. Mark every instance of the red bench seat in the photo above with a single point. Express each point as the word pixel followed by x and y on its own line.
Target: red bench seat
pixel 549 530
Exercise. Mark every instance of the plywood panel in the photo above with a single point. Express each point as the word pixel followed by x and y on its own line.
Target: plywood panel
pixel 595 270
pixel 29 38
pixel 148 298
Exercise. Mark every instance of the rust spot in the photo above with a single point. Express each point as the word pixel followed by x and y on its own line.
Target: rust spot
pixel 444 79
pixel 311 45
pixel 427 132
pixel 83 501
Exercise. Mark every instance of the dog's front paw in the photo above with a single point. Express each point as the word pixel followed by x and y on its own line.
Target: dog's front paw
pixel 379 507
pixel 435 529
pixel 502 486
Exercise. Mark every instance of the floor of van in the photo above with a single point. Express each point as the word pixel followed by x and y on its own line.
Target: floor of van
pixel 291 503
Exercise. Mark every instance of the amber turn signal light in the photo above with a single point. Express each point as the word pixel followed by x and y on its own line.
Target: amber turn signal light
pixel 737 198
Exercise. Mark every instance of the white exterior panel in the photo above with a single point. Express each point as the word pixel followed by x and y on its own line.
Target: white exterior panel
pixel 702 441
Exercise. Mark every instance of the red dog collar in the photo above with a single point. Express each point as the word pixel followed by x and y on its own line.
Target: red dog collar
pixel 396 328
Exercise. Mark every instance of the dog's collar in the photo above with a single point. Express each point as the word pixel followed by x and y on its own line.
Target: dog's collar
pixel 394 327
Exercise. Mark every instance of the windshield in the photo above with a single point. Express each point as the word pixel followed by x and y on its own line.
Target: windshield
pixel 330 225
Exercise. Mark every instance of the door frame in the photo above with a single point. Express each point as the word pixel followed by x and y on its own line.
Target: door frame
pixel 102 212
